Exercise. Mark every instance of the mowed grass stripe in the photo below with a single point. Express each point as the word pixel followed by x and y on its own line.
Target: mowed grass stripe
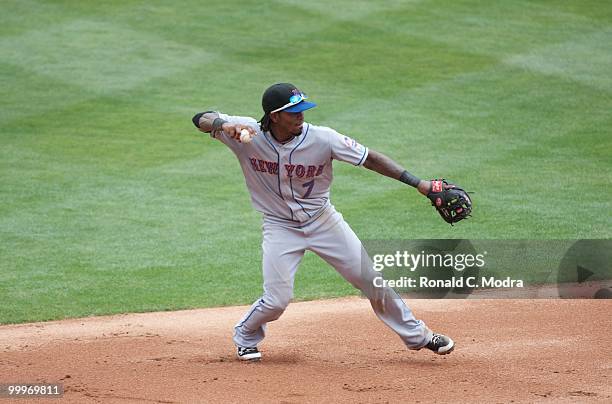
pixel 99 56
pixel 25 15
pixel 348 10
pixel 492 28
pixel 586 59
pixel 30 94
pixel 464 103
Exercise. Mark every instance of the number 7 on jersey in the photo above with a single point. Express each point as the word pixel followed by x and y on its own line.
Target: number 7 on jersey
pixel 309 185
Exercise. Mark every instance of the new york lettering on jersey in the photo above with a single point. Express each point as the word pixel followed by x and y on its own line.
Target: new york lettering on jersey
pixel 289 170
pixel 292 180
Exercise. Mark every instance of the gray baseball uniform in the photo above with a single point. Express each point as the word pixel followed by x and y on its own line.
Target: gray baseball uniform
pixel 289 183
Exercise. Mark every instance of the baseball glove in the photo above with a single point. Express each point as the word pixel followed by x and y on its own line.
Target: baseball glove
pixel 451 202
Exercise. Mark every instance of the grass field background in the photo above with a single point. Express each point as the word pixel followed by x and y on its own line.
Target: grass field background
pixel 111 201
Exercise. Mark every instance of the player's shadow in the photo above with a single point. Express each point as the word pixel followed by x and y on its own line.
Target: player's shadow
pixel 423 361
pixel 420 360
pixel 284 358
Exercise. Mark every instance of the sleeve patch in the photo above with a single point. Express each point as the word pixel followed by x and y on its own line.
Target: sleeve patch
pixel 352 143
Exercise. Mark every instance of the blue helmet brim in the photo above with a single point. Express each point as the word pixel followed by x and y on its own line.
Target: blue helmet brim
pixel 302 106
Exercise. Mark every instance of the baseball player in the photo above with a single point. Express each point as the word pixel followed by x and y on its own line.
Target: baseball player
pixel 287 166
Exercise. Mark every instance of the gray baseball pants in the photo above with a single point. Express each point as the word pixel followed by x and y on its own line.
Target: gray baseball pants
pixel 331 238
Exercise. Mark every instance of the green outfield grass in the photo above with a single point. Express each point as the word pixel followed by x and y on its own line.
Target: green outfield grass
pixel 111 201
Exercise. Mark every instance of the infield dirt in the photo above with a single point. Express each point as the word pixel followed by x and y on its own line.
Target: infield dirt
pixel 324 351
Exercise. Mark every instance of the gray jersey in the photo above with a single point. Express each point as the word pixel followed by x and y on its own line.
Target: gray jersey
pixel 291 181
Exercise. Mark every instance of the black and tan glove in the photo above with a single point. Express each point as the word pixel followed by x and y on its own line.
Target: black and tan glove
pixel 451 201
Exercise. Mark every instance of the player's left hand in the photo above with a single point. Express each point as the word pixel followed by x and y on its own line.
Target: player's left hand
pixel 451 202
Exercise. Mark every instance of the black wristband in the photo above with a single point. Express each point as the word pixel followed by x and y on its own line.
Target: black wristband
pixel 409 179
pixel 217 124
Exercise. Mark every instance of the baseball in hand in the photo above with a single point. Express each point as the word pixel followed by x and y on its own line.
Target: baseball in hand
pixel 245 136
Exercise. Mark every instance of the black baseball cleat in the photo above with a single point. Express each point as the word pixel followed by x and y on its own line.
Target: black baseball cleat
pixel 441 344
pixel 249 354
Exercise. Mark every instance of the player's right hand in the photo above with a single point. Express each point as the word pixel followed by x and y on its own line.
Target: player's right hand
pixel 233 130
